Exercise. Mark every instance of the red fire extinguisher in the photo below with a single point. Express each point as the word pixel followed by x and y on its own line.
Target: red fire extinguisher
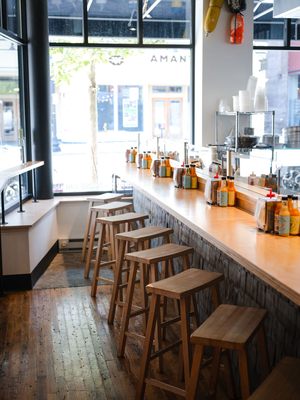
pixel 237 28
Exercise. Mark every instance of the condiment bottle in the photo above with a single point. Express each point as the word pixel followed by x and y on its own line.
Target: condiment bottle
pixel 290 202
pixel 294 217
pixel 222 193
pixel 134 153
pixel 284 218
pixel 186 179
pixel 131 155
pixel 127 154
pixel 149 159
pixel 276 214
pixel 231 191
pixel 162 167
pixel 144 160
pixel 194 178
pixel 168 167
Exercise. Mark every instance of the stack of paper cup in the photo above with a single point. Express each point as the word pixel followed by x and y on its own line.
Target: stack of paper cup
pixel 261 101
pixel 251 87
pixel 235 103
pixel 245 103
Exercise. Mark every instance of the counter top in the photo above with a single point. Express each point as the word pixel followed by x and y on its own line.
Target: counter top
pixel 274 259
pixel 9 173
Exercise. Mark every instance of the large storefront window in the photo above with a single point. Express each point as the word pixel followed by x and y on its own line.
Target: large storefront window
pixel 11 141
pixel 106 100
pixel 121 21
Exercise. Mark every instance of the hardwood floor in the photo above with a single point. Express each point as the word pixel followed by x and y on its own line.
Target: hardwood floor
pixel 56 344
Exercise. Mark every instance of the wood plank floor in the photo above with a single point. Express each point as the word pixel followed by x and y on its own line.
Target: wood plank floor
pixel 56 344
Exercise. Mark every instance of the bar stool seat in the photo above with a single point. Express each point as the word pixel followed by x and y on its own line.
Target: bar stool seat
pixel 107 209
pixel 93 200
pixel 148 262
pixel 283 383
pixel 183 288
pixel 229 327
pixel 140 239
pixel 112 224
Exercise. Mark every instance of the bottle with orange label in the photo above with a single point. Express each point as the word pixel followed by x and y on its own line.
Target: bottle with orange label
pixel 162 167
pixel 231 191
pixel 144 160
pixel 194 178
pixel 149 159
pixel 186 178
pixel 168 168
pixel 294 217
pixel 222 193
pixel 276 215
pixel 284 218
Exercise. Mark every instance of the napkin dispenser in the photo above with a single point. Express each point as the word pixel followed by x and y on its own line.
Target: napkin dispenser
pixel 264 213
pixel 210 191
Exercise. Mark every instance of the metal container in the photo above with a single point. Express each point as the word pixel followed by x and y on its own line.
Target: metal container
pixel 291 136
pixel 210 191
pixel 177 176
pixel 155 167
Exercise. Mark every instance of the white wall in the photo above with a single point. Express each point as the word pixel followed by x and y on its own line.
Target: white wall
pixel 72 217
pixel 221 68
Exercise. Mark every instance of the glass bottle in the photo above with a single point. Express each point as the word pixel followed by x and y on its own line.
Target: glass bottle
pixel 276 214
pixel 194 178
pixel 231 191
pixel 284 218
pixel 168 167
pixel 134 154
pixel 144 161
pixel 162 167
pixel 222 193
pixel 149 159
pixel 131 155
pixel 186 179
pixel 290 202
pixel 294 217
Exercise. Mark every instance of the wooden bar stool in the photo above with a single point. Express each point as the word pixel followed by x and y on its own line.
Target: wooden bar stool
pixel 95 200
pixel 229 327
pixel 283 383
pixel 148 262
pixel 141 239
pixel 111 226
pixel 183 288
pixel 105 210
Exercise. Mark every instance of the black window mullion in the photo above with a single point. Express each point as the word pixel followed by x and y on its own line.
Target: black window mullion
pixel 3 14
pixel 85 22
pixel 287 32
pixel 140 25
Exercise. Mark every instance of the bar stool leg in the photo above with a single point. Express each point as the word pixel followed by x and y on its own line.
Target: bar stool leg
pixel 144 296
pixel 244 374
pixel 87 232
pixel 145 361
pixel 117 282
pixel 90 251
pixel 126 309
pixel 185 336
pixel 195 373
pixel 215 366
pixel 98 259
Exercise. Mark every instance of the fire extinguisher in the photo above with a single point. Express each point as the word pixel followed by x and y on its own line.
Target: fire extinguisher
pixel 237 20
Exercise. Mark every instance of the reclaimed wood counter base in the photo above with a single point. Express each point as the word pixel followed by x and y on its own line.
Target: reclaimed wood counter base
pixel 240 286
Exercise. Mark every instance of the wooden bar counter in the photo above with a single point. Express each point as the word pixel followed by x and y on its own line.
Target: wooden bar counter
pixel 260 269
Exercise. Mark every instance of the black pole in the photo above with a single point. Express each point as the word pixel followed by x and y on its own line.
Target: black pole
pixel 39 93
